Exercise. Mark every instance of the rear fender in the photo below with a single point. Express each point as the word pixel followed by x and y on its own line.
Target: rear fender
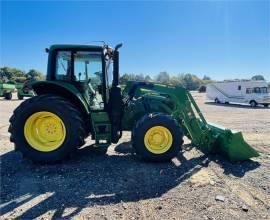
pixel 62 89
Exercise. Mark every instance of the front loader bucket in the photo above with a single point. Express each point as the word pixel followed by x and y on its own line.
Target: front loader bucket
pixel 231 144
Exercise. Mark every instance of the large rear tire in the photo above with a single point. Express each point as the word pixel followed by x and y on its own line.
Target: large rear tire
pixel 157 137
pixel 46 128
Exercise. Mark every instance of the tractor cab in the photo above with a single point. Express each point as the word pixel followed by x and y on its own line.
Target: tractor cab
pixel 88 68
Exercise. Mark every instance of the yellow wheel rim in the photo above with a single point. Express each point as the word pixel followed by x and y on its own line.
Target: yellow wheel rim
pixel 44 131
pixel 158 139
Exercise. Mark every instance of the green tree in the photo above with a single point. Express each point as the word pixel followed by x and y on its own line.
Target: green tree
pixel 257 77
pixel 123 79
pixel 206 77
pixel 147 78
pixel 10 74
pixel 139 77
pixel 190 81
pixel 163 77
pixel 175 80
pixel 33 74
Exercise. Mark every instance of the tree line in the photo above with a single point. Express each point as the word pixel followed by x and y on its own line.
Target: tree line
pixel 187 80
pixel 14 75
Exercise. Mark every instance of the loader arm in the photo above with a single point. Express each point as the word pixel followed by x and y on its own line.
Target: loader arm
pixel 209 138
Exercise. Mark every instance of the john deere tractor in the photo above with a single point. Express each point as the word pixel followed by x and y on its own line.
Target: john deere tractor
pixel 81 96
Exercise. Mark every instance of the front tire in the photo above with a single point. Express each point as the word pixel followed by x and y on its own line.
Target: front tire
pixel 217 100
pixel 157 137
pixel 8 96
pixel 46 128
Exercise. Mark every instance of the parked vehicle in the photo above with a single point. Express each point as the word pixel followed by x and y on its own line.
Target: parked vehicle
pixel 248 92
pixel 202 89
pixel 24 90
pixel 6 90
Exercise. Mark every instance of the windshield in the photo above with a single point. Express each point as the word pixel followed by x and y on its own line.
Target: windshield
pixel 88 67
pixel 264 90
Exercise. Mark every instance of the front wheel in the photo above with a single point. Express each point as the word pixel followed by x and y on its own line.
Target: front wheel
pixel 46 128
pixel 8 96
pixel 157 137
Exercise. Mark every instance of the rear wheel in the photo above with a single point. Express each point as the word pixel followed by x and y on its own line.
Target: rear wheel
pixel 8 95
pixel 217 100
pixel 157 137
pixel 20 97
pixel 46 128
pixel 253 104
pixel 265 105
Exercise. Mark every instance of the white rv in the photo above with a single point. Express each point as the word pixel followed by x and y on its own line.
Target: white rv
pixel 249 92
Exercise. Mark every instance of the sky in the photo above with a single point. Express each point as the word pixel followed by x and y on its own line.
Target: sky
pixel 220 39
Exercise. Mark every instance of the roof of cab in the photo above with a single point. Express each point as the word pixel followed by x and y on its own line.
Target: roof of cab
pixel 75 46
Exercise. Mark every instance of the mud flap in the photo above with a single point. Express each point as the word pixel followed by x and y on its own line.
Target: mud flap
pixel 231 144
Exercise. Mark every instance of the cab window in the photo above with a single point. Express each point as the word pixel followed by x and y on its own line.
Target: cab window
pixel 63 65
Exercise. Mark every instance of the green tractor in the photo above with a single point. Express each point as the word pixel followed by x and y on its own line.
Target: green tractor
pixel 81 96
pixel 6 90
pixel 24 90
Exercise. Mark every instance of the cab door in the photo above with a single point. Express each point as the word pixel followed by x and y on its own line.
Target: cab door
pixel 88 75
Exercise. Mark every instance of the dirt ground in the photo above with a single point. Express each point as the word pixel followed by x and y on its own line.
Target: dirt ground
pixel 117 185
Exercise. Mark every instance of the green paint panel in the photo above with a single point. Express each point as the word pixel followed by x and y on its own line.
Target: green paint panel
pixel 102 128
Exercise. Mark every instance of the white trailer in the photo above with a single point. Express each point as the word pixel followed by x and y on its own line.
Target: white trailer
pixel 248 92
